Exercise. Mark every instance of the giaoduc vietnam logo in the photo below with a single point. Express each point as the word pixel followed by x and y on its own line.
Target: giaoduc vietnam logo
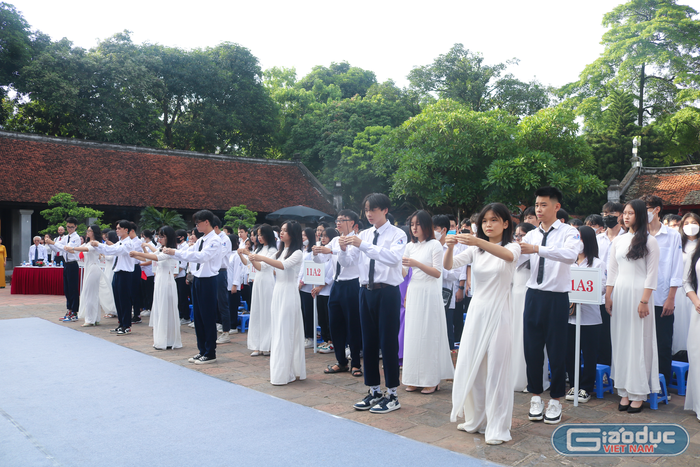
pixel 618 440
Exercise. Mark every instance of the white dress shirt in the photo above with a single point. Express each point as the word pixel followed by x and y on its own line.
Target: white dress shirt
pixel 671 267
pixel 604 243
pixel 226 250
pixel 120 250
pixel 235 272
pixel 348 269
pixel 40 256
pixel 56 251
pixel 72 240
pixel 387 254
pixel 206 252
pixel 562 249
pixel 451 277
pixel 182 265
pixel 136 243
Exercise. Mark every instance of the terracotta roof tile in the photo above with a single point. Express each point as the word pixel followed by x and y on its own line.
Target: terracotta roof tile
pixel 109 175
pixel 680 187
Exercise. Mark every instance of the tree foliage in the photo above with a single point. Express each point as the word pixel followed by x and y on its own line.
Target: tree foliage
pixel 153 219
pixel 61 206
pixel 240 216
pixel 349 80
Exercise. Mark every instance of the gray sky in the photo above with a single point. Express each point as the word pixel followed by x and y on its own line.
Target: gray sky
pixel 553 39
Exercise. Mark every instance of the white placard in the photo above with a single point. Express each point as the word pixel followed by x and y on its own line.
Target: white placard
pixel 251 271
pixel 314 273
pixel 586 286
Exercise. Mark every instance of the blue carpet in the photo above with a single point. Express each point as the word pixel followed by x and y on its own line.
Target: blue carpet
pixel 70 399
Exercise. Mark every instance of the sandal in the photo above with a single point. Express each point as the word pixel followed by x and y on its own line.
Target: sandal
pixel 411 388
pixel 356 372
pixel 331 370
pixel 430 390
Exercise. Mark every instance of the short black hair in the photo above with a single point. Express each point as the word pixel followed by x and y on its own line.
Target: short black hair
pixel 235 241
pixel 112 236
pixel 525 227
pixel 595 219
pixel 529 211
pixel 550 192
pixel 561 214
pixel 442 221
pixel 133 226
pixel 203 215
pixel 228 229
pixel 71 220
pixel 124 224
pixel 376 200
pixel 675 217
pixel 501 211
pixel 612 206
pixel 181 233
pixel 350 214
pixel 451 217
pixel 217 222
pixel 653 201
pixel 576 222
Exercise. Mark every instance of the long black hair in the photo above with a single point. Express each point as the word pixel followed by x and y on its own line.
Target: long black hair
pixel 235 241
pixel 693 274
pixel 266 232
pixel 638 246
pixel 96 232
pixel 502 212
pixel 112 236
pixel 148 234
pixel 311 237
pixel 423 219
pixel 295 241
pixel 331 233
pixel 590 244
pixel 169 233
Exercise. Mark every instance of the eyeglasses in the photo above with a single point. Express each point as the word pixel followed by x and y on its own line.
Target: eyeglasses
pixel 338 221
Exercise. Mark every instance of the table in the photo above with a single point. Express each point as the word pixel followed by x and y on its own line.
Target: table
pixel 29 280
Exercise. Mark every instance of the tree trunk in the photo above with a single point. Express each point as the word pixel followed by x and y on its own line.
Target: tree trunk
pixel 640 109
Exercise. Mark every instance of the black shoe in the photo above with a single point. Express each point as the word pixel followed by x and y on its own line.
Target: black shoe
pixel 195 358
pixel 203 360
pixel 369 401
pixel 123 331
pixel 115 330
pixel 634 409
pixel 389 403
pixel 136 321
pixel 623 408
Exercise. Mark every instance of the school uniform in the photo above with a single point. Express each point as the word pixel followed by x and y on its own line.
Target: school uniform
pixel 123 279
pixel 71 271
pixel 183 290
pixel 222 289
pixel 344 305
pixel 546 313
pixel 136 293
pixel 206 254
pixel 605 341
pixel 379 262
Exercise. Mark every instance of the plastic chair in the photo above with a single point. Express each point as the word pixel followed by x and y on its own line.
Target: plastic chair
pixel 600 387
pixel 243 319
pixel 679 372
pixel 655 398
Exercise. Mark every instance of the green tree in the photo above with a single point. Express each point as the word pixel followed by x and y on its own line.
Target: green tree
pixel 15 43
pixel 61 206
pixel 240 216
pixel 153 219
pixel 350 80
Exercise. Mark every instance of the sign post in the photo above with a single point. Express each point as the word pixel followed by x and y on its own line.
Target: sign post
pixel 314 274
pixel 585 288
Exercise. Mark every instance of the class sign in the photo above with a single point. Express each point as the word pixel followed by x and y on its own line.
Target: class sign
pixel 314 273
pixel 586 286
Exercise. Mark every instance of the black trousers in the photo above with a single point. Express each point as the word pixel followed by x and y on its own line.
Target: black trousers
pixel 380 319
pixel 246 290
pixel 450 318
pixel 307 310
pixel 545 322
pixel 664 341
pixel 147 292
pixel 344 320
pixel 122 285
pixel 222 293
pixel 71 285
pixel 183 292
pixel 323 322
pixel 589 348
pixel 234 300
pixel 60 260
pixel 205 308
pixel 604 340
pixel 136 295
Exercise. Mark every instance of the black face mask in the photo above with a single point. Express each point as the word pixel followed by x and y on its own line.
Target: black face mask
pixel 610 221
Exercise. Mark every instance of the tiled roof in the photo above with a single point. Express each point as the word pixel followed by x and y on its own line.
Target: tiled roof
pixel 677 186
pixel 35 168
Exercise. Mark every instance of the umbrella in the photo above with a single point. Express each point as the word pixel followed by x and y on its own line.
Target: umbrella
pixel 299 213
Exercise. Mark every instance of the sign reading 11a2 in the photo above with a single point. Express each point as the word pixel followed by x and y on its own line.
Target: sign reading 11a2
pixel 314 273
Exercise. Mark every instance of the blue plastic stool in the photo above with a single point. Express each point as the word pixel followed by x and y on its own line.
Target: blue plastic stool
pixel 318 333
pixel 243 319
pixel 191 313
pixel 601 388
pixel 679 371
pixel 655 398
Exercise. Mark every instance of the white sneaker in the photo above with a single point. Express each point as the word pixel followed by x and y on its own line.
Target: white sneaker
pixel 233 331
pixel 348 355
pixel 223 338
pixel 184 321
pixel 570 394
pixel 219 327
pixel 553 414
pixel 326 348
pixel 583 396
pixel 191 324
pixel 536 409
pixel 146 313
pixel 308 343
pixel 494 442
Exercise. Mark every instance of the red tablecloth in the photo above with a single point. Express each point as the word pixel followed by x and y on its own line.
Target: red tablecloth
pixel 47 280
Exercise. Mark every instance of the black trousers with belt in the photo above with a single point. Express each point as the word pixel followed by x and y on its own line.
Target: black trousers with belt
pixel 380 319
pixel 344 318
pixel 205 308
pixel 183 292
pixel 545 322
pixel 71 285
pixel 122 287
pixel 664 341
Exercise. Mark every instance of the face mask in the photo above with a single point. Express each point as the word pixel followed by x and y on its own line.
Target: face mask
pixel 306 243
pixel 691 230
pixel 650 217
pixel 438 235
pixel 610 221
pixel 473 229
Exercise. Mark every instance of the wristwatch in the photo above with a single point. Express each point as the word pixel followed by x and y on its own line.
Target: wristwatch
pixel 460 287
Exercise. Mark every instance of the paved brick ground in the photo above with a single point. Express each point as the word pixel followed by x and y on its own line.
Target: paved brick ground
pixel 424 418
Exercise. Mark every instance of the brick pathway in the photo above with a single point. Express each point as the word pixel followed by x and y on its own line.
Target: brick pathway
pixel 424 418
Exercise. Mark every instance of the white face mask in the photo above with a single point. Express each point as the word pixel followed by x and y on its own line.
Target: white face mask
pixel 306 243
pixel 650 216
pixel 473 229
pixel 438 235
pixel 691 230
